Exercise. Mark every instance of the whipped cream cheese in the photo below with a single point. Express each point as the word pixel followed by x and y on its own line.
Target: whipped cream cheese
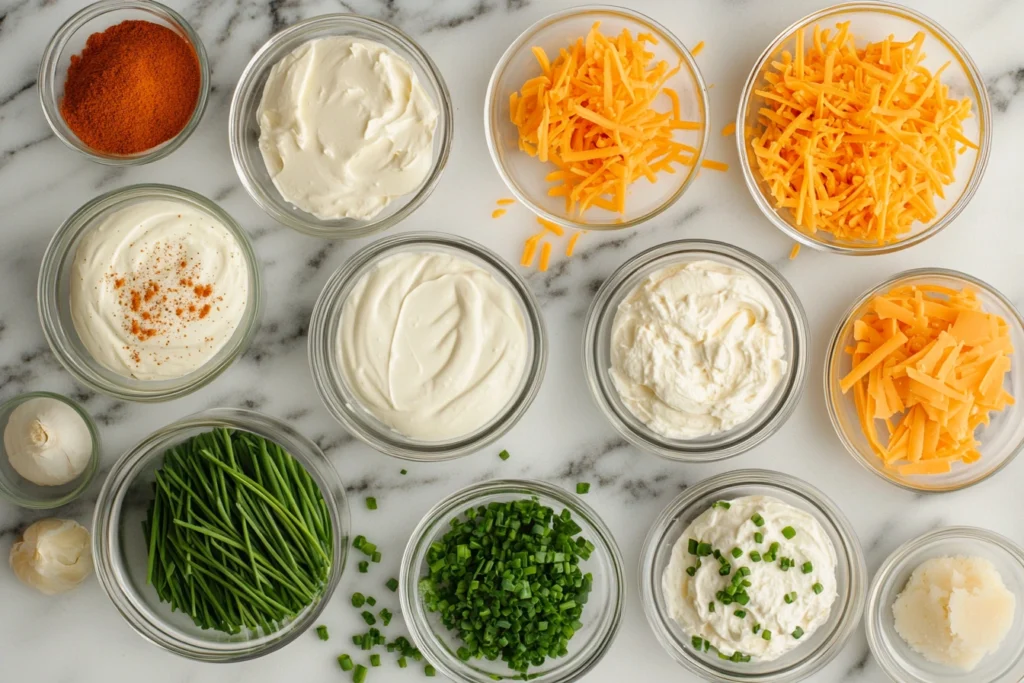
pixel 345 127
pixel 689 599
pixel 432 344
pixel 696 349
pixel 157 289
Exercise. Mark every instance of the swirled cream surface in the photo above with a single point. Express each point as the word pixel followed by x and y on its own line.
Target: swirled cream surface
pixel 432 344
pixel 157 289
pixel 345 127
pixel 696 349
pixel 790 591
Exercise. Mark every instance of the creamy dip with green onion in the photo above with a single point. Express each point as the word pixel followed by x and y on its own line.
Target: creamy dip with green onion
pixel 751 578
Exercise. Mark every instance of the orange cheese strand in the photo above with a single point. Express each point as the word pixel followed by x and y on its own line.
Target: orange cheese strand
pixel 545 256
pixel 729 129
pixel 794 251
pixel 857 142
pixel 929 364
pixel 506 201
pixel 590 112
pixel 571 247
pixel 697 49
pixel 498 213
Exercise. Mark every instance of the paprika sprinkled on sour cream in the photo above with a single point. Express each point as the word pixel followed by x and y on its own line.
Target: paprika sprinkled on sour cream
pixel 157 289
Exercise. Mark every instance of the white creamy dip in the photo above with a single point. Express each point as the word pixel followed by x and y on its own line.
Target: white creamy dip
pixel 345 127
pixel 432 344
pixel 696 349
pixel 157 289
pixel 689 598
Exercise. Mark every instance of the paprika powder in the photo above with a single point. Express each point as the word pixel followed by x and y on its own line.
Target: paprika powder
pixel 133 87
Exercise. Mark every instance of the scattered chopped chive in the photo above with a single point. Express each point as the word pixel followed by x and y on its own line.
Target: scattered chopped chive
pixel 691 546
pixel 369 619
pixel 370 600
pixel 755 556
pixel 785 563
pixel 402 662
pixel 582 487
pixel 717 554
pixel 774 548
pixel 758 537
pixel 404 471
pixel 789 532
pixel 345 662
pixel 364 566
pixel 429 671
pixel 703 549
pixel 725 505
pixel 742 598
pixel 371 503
pixel 374 660
pixel 757 519
pixel 711 606
pixel 790 598
pixel 757 627
pixel 392 584
pixel 736 552
pixel 321 632
pixel 722 655
pixel 707 646
pixel 768 557
pixel 385 616
pixel 357 640
pixel 766 634
pixel 817 588
pixel 743 571
pixel 358 599
pixel 697 642
pixel 725 570
pixel 741 613
pixel 358 541
pixel 798 632
pixel 504 455
pixel 359 675
pixel 807 568
pixel 691 571
pixel 376 557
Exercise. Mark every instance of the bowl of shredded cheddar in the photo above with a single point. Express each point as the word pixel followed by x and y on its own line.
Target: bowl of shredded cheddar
pixel 596 118
pixel 864 128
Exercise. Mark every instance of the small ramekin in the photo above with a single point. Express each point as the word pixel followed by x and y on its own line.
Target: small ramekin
pixel 601 616
pixel 896 658
pixel 525 175
pixel 19 490
pixel 597 352
pixel 874 21
pixel 70 39
pixel 119 546
pixel 1001 440
pixel 244 128
pixel 54 287
pixel 345 406
pixel 813 653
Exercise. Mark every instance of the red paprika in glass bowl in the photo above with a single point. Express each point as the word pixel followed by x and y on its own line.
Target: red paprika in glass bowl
pixel 97 86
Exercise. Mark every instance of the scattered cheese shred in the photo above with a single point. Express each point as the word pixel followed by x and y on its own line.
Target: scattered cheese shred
pixel 729 129
pixel 794 251
pixel 498 213
pixel 933 356
pixel 571 247
pixel 506 201
pixel 714 165
pixel 858 142
pixel 545 256
pixel 697 49
pixel 591 113
pixel 552 227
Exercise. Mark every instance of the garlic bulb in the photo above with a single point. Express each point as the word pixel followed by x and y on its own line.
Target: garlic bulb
pixel 53 556
pixel 47 441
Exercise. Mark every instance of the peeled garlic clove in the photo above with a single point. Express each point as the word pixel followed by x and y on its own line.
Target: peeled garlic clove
pixel 53 556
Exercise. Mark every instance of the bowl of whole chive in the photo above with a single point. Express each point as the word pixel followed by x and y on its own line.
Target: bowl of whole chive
pixel 512 579
pixel 222 536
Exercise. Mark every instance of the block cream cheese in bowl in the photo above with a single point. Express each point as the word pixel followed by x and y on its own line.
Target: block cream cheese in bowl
pixel 149 292
pixel 426 346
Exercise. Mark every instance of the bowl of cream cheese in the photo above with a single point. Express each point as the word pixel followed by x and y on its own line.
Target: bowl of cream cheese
pixel 427 346
pixel 149 292
pixel 752 575
pixel 340 126
pixel 696 350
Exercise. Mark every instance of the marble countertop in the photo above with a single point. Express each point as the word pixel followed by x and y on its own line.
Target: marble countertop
pixel 563 438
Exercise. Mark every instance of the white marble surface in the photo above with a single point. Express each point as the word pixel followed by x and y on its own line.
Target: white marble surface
pixel 563 438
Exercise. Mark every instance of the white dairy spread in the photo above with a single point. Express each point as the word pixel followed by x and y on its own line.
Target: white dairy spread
pixel 696 349
pixel 689 599
pixel 432 344
pixel 157 289
pixel 345 127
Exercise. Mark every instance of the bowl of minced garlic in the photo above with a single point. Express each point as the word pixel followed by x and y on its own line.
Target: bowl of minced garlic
pixel 864 129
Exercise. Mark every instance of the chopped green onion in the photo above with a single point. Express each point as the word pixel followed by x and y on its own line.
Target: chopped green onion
pixel 757 627
pixel 429 671
pixel 582 487
pixel 691 571
pixel 364 566
pixel 741 613
pixel 807 568
pixel 404 471
pixel 691 546
pixel 369 618
pixel 725 570
pixel 374 660
pixel 370 600
pixel 358 599
pixel 376 557
pixel 359 675
pixel 321 632
pixel 385 616
pixel 711 606
pixel 392 584
pixel 790 598
pixel 798 632
pixel 736 552
pixel 697 642
pixel 725 505
pixel 402 662
pixel 789 532
pixel 817 588
pixel 742 598
pixel 758 537
pixel 345 662
pixel 755 556
pixel 371 503
pixel 757 519
pixel 703 549
pixel 766 634
pixel 504 455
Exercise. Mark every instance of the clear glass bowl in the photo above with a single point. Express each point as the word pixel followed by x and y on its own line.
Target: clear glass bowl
pixel 815 651
pixel 895 657
pixel 874 21
pixel 1000 441
pixel 342 402
pixel 70 39
pixel 244 129
pixel 54 297
pixel 597 352
pixel 19 490
pixel 601 616
pixel 120 551
pixel 525 175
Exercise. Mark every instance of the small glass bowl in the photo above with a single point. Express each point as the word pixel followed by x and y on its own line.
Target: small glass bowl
pixel 814 652
pixel 875 20
pixel 342 402
pixel 896 658
pixel 120 551
pixel 1000 441
pixel 19 490
pixel 244 128
pixel 597 352
pixel 601 616
pixel 525 175
pixel 54 297
pixel 70 39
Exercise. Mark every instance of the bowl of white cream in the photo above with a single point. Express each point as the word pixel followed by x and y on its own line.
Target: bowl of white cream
pixel 149 292
pixel 948 607
pixel 49 450
pixel 696 350
pixel 427 346
pixel 340 126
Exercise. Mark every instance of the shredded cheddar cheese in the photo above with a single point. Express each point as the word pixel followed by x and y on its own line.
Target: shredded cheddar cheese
pixel 729 129
pixel 571 247
pixel 697 49
pixel 545 256
pixel 506 201
pixel 858 142
pixel 928 365
pixel 591 113
pixel 498 213
pixel 794 251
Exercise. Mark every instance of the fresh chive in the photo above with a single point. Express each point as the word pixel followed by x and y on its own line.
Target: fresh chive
pixel 392 584
pixel 385 616
pixel 359 675
pixel 742 598
pixel 429 671
pixel 402 662
pixel 371 503
pixel 736 552
pixel 755 556
pixel 691 571
pixel 757 627
pixel 697 642
pixel 711 606
pixel 757 519
pixel 376 557
pixel 345 662
pixel 691 546
pixel 504 455
pixel 758 537
pixel 817 588
pixel 582 487
pixel 725 505
pixel 790 597
pixel 789 532
pixel 358 599
pixel 369 618
pixel 741 613
pixel 364 566
pixel 374 660
pixel 321 632
pixel 766 634
pixel 370 600
pixel 798 632
pixel 725 570
pixel 704 549
pixel 403 471
pixel 807 567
